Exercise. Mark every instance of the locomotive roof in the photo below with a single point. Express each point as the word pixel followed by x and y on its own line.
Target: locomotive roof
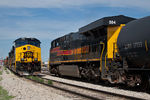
pixel 106 21
pixel 34 39
pixel 65 35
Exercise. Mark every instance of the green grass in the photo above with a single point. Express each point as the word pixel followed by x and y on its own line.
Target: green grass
pixel 35 78
pixel 49 82
pixel 1 72
pixel 38 79
pixel 1 78
pixel 4 94
pixel 5 68
pixel 7 71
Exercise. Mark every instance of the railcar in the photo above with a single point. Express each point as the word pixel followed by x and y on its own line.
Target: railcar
pixel 133 45
pixel 25 56
pixel 114 49
pixel 6 62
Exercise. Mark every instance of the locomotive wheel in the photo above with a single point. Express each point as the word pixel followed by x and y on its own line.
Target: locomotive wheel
pixel 57 72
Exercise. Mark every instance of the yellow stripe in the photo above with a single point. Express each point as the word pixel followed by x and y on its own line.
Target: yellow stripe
pixel 80 60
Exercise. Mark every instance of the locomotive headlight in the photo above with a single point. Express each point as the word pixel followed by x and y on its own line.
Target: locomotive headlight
pixel 35 59
pixel 22 59
pixel 28 47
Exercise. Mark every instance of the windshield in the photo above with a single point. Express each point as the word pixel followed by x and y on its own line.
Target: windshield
pixel 24 42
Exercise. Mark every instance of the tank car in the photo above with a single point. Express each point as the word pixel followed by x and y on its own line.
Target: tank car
pixel 25 56
pixel 133 44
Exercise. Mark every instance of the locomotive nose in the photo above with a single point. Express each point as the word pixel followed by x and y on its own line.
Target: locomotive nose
pixel 134 42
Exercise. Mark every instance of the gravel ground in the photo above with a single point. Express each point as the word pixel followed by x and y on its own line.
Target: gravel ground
pixel 142 95
pixel 26 90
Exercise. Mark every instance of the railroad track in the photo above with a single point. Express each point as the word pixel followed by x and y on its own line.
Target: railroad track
pixel 83 91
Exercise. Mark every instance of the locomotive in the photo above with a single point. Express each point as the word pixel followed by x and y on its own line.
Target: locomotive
pixel 114 49
pixel 25 56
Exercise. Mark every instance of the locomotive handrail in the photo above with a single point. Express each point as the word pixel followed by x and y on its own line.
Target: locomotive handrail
pixel 101 57
pixel 106 62
pixel 146 46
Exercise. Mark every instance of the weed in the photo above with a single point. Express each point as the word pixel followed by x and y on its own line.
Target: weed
pixel 38 79
pixel 4 94
pixel 5 68
pixel 35 78
pixel 7 72
pixel 1 72
pixel 29 77
pixel 49 82
pixel 1 78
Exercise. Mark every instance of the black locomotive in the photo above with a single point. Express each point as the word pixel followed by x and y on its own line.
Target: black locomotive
pixel 114 48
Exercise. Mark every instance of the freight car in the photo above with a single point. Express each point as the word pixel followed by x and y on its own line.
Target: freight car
pixel 115 49
pixel 6 62
pixel 25 56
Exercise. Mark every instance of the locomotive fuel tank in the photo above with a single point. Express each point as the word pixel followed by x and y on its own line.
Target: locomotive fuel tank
pixel 134 43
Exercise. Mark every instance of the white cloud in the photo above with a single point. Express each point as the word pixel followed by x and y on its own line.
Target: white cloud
pixel 144 4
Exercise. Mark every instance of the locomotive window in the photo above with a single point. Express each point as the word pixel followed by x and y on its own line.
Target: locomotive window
pixel 24 42
pixel 57 44
pixel 33 42
pixel 20 43
pixel 76 36
pixel 54 44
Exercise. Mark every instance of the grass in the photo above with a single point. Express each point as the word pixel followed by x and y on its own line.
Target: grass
pixel 35 78
pixel 38 79
pixel 1 78
pixel 4 94
pixel 30 77
pixel 49 82
pixel 7 71
pixel 1 72
pixel 5 68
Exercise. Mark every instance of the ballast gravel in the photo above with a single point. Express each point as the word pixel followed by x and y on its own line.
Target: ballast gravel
pixel 141 95
pixel 23 89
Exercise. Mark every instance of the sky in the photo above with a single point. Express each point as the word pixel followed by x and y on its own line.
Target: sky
pixel 47 20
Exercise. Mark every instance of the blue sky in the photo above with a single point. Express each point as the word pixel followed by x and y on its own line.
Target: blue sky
pixel 49 19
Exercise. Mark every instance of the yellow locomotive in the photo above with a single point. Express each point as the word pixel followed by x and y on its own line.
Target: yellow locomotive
pixel 25 56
